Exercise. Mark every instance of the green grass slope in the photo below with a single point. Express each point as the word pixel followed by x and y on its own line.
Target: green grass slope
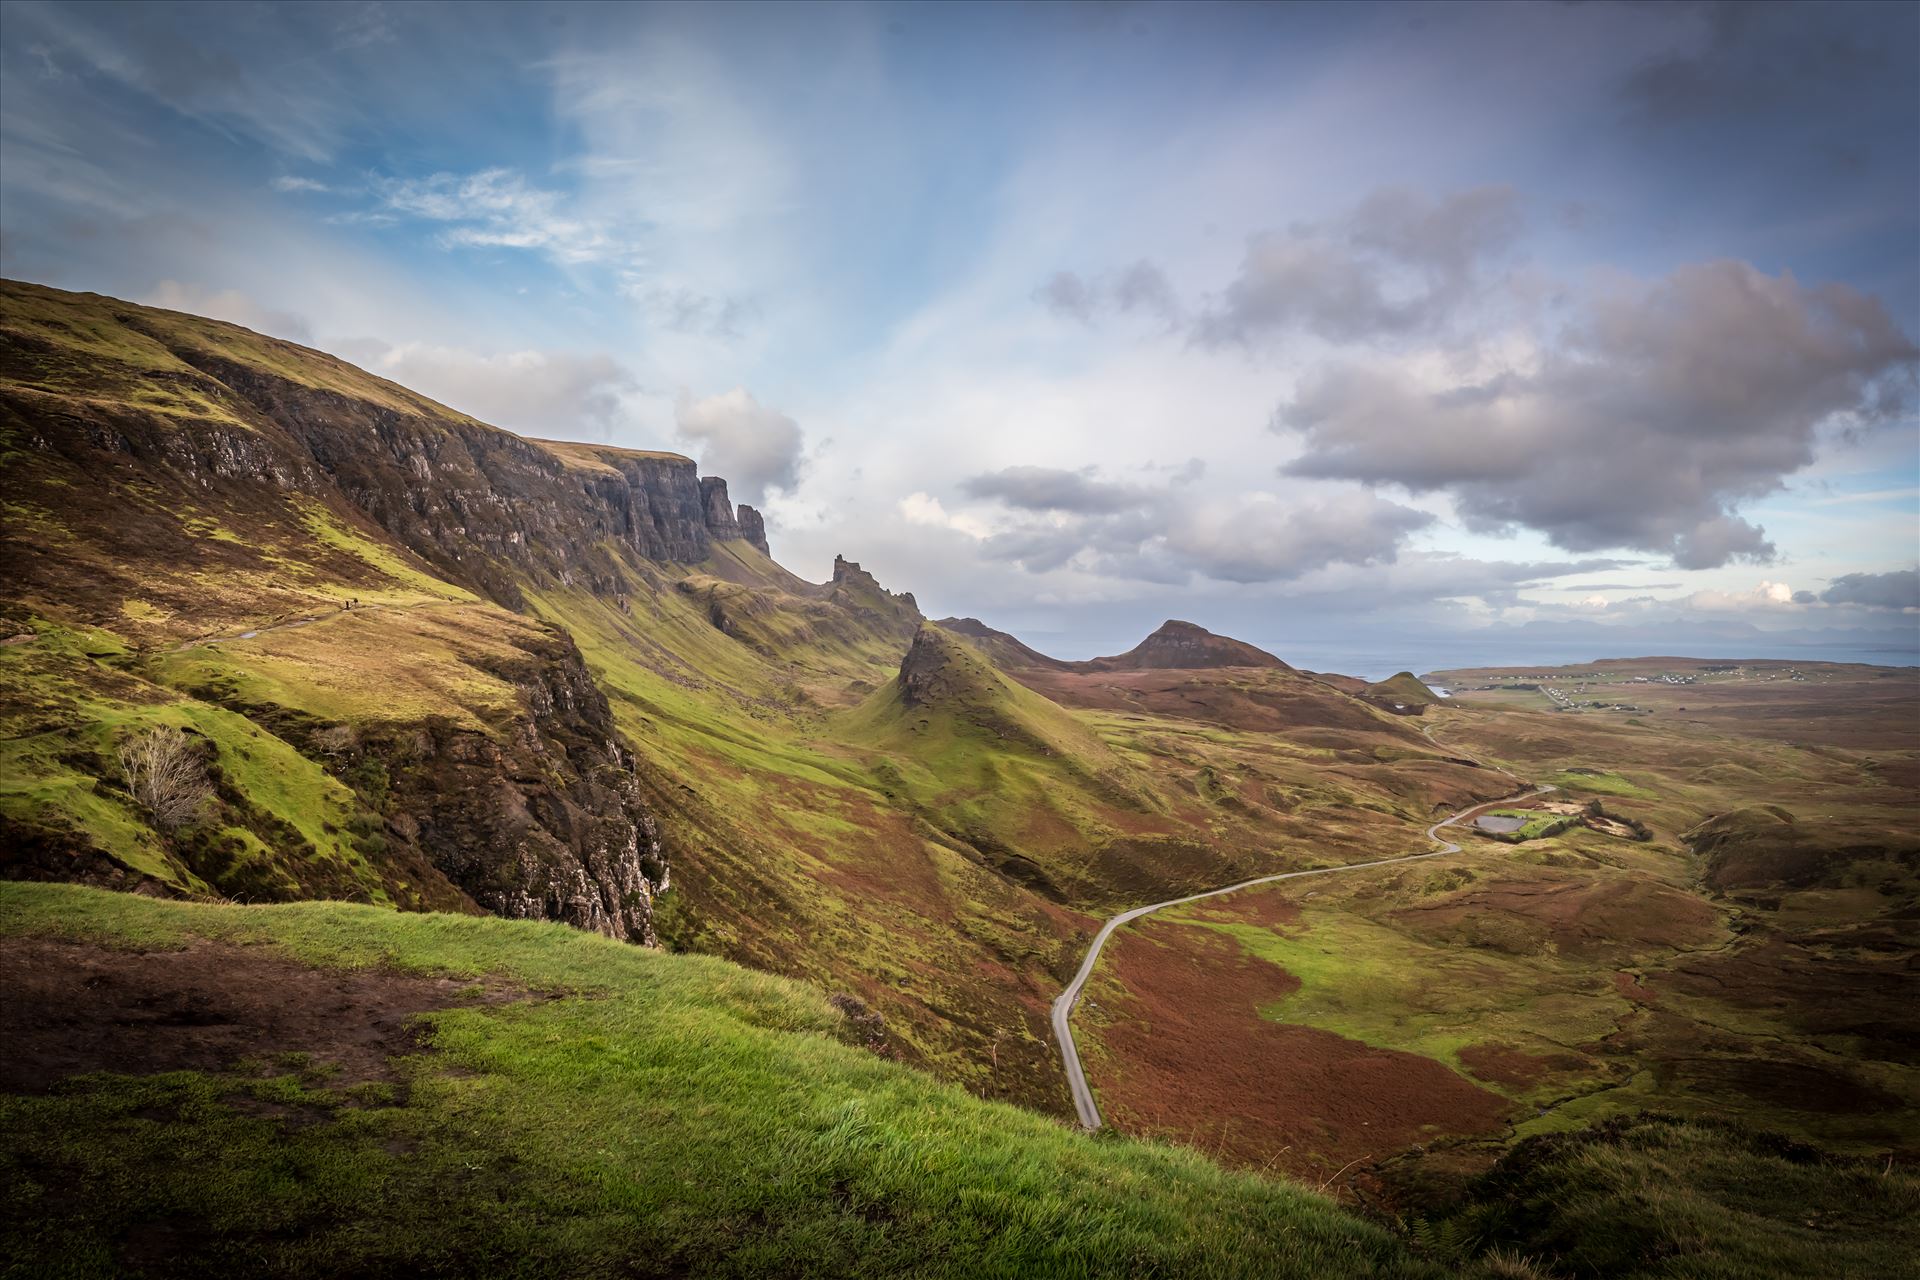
pixel 91 347
pixel 643 1115
pixel 1404 688
pixel 997 765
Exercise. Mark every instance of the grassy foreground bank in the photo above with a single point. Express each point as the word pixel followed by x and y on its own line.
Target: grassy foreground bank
pixel 606 1111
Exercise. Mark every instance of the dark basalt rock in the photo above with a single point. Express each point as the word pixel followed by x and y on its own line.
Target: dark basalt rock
pixel 856 588
pixel 716 510
pixel 754 529
pixel 546 823
pixel 470 500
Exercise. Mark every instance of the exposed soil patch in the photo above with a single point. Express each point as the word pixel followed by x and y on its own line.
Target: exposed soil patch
pixel 1195 1060
pixel 74 1008
pixel 1513 1066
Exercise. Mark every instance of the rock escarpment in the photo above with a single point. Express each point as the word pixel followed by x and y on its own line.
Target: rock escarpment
pixel 753 529
pixel 716 510
pixel 895 612
pixel 545 824
pixel 484 506
pixel 190 478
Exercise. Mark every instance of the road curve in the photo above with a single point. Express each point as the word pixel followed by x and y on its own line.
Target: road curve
pixel 1083 1103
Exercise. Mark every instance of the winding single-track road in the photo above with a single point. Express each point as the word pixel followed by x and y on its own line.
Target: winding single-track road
pixel 1083 1103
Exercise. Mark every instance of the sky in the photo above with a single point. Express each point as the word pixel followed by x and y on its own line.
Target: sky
pixel 1365 333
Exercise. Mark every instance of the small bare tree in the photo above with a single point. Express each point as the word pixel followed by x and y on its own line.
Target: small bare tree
pixel 336 741
pixel 165 773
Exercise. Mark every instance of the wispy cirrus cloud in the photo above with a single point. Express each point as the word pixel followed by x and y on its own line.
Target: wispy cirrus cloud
pixel 499 208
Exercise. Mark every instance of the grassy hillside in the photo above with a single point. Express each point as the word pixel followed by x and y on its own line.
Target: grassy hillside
pixel 1657 1195
pixel 582 1108
pixel 193 506
pixel 1403 689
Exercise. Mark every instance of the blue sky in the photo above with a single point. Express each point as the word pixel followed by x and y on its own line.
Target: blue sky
pixel 1308 323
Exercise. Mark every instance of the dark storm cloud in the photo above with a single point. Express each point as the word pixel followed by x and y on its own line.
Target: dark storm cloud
pixel 1660 409
pixel 1897 590
pixel 1397 263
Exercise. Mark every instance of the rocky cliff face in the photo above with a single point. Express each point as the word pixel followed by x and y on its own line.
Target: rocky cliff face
pixel 479 503
pixel 896 611
pixel 547 824
pixel 716 510
pixel 211 476
pixel 754 530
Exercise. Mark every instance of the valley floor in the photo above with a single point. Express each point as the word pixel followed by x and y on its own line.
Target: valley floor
pixel 1394 1032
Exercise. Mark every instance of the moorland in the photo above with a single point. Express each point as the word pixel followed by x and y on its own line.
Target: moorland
pixel 438 850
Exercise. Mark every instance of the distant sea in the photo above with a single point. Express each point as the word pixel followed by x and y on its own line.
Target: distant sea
pixel 1384 656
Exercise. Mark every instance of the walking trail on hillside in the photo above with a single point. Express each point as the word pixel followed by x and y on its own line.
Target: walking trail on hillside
pixel 1083 1104
pixel 320 617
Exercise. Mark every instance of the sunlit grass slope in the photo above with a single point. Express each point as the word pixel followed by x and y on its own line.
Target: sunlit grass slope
pixel 645 1114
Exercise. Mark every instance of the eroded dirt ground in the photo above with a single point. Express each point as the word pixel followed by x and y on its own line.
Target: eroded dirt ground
pixel 73 1008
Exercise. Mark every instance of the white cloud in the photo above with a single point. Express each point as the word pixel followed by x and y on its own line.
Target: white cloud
pixel 754 446
pixel 534 392
pixel 1767 595
pixel 924 509
pixel 499 208
pixel 230 305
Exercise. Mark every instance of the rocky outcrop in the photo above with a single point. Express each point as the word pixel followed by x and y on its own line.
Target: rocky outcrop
pixel 544 823
pixel 479 503
pixel 896 613
pixel 1007 651
pixel 717 511
pixel 935 670
pixel 754 530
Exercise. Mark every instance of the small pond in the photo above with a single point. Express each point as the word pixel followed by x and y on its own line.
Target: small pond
pixel 1494 822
